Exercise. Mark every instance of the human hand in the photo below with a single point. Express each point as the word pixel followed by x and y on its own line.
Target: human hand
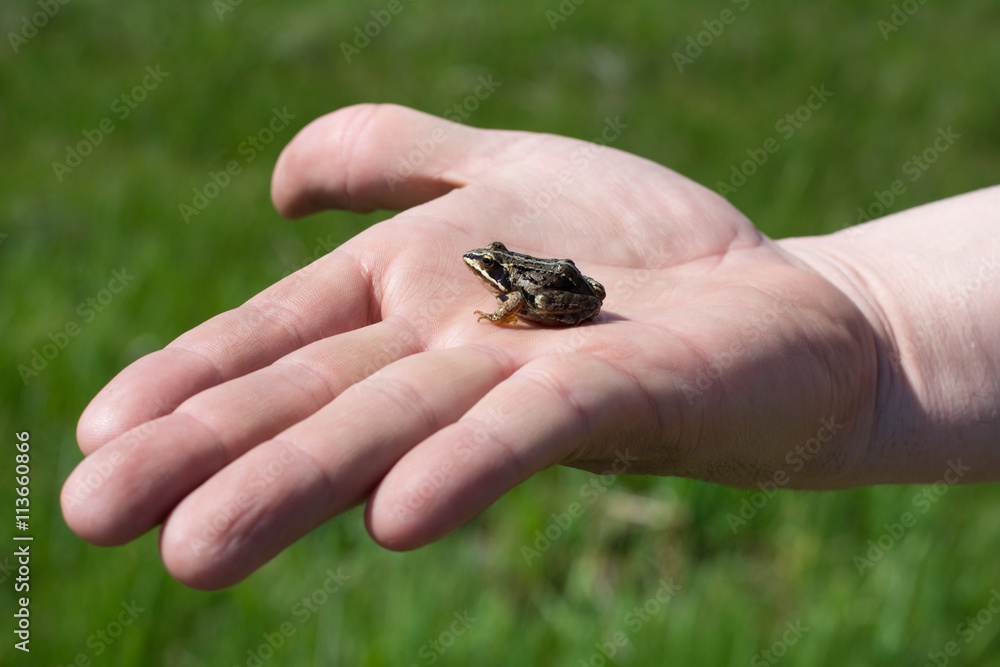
pixel 365 375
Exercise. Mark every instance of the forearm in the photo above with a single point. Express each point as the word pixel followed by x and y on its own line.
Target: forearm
pixel 928 280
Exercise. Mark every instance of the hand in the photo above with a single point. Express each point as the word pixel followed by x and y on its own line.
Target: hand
pixel 366 376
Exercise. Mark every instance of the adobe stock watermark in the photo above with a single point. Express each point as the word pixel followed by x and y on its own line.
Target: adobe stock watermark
pixel 639 278
pixel 102 638
pixel 894 532
pixel 363 35
pixel 913 169
pixel 423 491
pixel 696 44
pixel 563 11
pixel 424 148
pixel 223 7
pixel 249 149
pixel 590 493
pixel 7 568
pixel 779 647
pixel 796 459
pixel 449 295
pixel 37 21
pixel 786 126
pixel 322 247
pixel 984 278
pixel 304 610
pixel 420 495
pixel 634 621
pixel 432 650
pixel 100 474
pixel 899 17
pixel 121 108
pixel 967 630
pixel 228 513
pixel 482 91
pixel 401 346
pixel 582 158
pixel 59 340
pixel 758 323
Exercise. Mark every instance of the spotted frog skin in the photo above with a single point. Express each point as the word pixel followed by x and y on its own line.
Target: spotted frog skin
pixel 547 291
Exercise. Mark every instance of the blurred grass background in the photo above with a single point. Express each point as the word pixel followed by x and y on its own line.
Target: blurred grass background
pixel 794 560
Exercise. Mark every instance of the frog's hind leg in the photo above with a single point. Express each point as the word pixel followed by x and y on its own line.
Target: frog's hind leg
pixel 568 308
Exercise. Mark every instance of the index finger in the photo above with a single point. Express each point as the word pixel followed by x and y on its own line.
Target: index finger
pixel 287 316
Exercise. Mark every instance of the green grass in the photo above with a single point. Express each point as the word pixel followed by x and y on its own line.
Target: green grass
pixel 793 561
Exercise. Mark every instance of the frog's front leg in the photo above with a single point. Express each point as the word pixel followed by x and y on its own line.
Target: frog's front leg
pixel 506 313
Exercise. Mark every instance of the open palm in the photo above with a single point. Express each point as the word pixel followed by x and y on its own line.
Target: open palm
pixel 366 374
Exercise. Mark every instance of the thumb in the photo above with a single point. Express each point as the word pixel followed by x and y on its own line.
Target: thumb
pixel 367 157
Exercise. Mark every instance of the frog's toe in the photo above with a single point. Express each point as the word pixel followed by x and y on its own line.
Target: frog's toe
pixel 496 318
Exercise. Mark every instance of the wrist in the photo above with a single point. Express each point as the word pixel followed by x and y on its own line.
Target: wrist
pixel 924 280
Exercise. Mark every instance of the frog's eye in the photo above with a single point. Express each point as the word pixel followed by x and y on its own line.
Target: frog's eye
pixel 487 261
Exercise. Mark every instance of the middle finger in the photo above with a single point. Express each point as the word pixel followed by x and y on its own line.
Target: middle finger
pixel 322 466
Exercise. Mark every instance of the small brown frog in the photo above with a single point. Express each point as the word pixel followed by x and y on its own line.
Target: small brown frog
pixel 549 291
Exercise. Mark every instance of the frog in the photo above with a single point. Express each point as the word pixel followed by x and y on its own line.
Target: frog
pixel 548 291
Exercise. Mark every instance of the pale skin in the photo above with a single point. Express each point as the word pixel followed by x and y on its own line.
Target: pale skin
pixel 366 378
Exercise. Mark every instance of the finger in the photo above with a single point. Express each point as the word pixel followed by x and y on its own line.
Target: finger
pixel 369 157
pixel 294 312
pixel 276 493
pixel 552 410
pixel 129 485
